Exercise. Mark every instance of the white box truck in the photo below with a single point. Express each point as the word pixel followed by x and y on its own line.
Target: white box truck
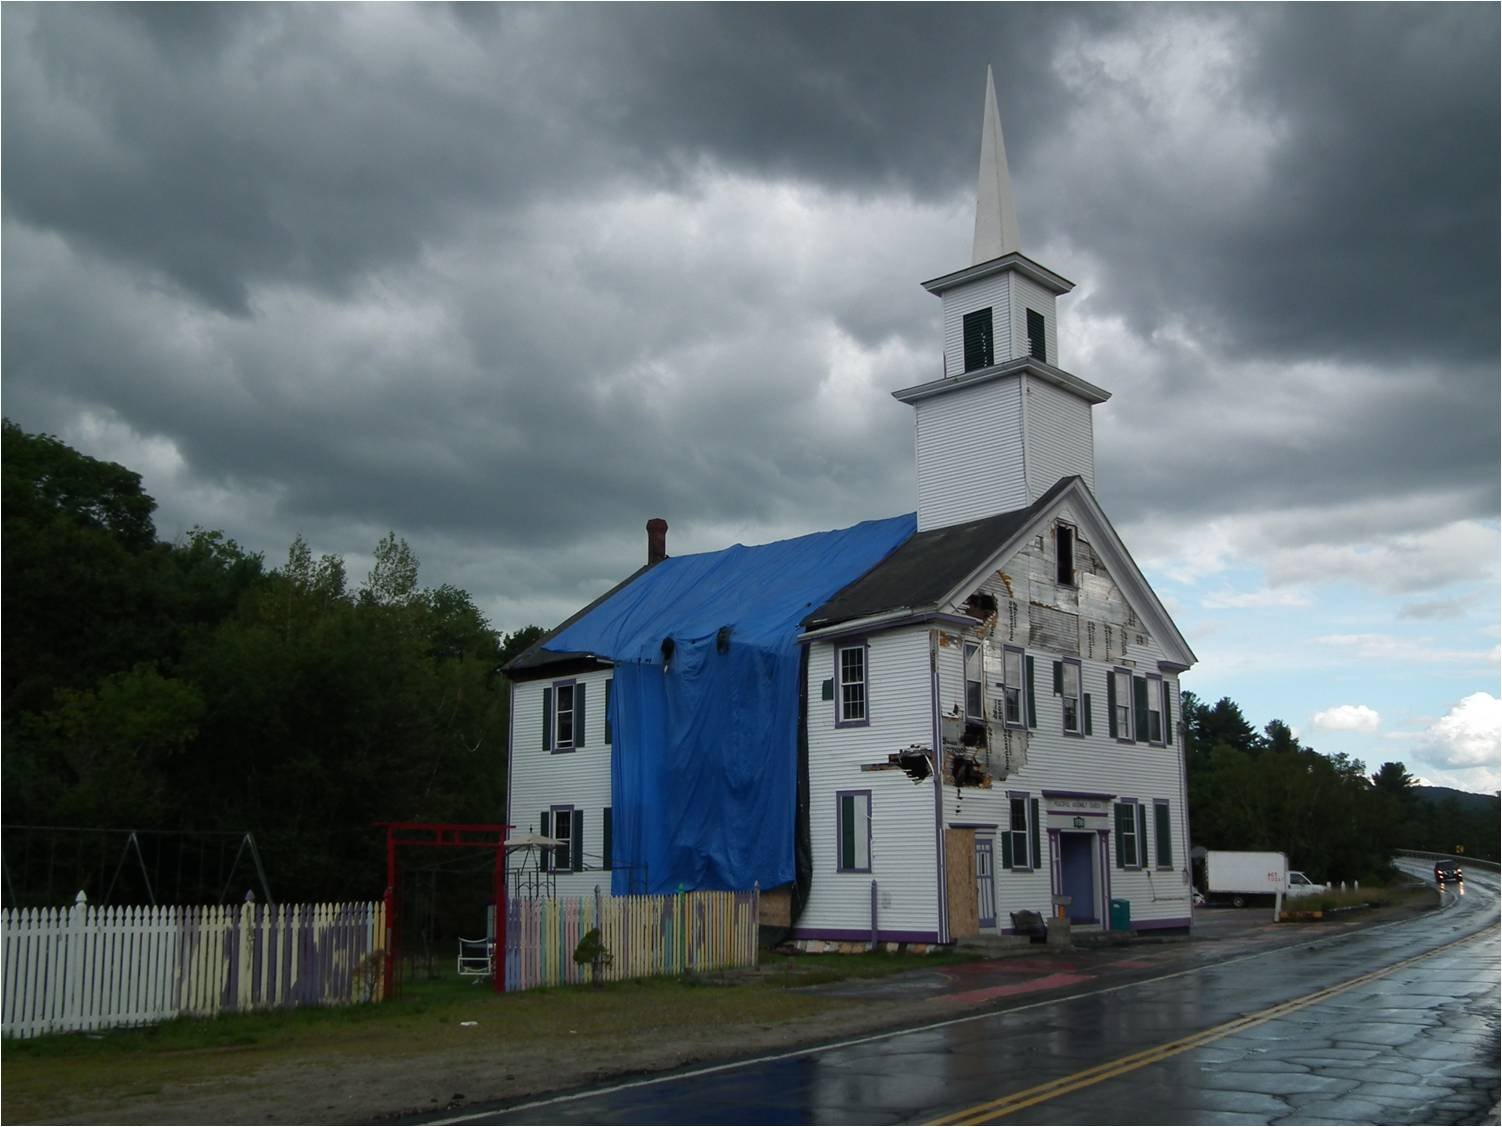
pixel 1245 878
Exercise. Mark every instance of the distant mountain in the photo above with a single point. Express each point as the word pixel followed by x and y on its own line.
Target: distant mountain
pixel 1466 800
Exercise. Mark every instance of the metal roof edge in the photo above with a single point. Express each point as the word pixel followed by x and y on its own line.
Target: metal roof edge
pixel 1016 260
pixel 1066 381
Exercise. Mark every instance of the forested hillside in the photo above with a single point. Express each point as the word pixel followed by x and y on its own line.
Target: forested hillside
pixel 189 686
pixel 1266 790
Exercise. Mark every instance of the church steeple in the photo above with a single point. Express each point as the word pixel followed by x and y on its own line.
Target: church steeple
pixel 1005 421
pixel 995 211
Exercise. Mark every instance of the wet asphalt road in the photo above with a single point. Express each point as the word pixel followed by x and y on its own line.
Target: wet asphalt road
pixel 1322 1032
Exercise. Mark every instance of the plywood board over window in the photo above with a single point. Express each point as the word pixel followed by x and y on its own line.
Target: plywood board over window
pixel 959 880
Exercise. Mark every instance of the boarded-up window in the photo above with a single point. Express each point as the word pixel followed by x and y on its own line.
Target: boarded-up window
pixel 978 344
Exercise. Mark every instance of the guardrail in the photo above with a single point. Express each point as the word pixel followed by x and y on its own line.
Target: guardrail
pixel 1461 857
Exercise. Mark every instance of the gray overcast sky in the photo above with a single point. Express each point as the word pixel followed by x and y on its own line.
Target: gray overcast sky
pixel 510 280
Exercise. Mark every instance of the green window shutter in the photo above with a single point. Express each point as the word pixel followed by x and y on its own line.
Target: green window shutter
pixel 827 689
pixel 1032 700
pixel 1142 836
pixel 1085 699
pixel 609 681
pixel 1037 836
pixel 1139 707
pixel 576 840
pixel 1167 718
pixel 545 823
pixel 1058 678
pixel 1164 840
pixel 607 848
pixel 547 720
pixel 1006 850
pixel 1123 819
pixel 1111 703
pixel 579 728
pixel 847 831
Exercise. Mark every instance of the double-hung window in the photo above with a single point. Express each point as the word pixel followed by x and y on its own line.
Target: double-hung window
pixel 1011 666
pixel 567 825
pixel 1153 699
pixel 975 708
pixel 1021 844
pixel 853 827
pixel 1119 703
pixel 851 673
pixel 1070 696
pixel 563 716
pixel 1131 835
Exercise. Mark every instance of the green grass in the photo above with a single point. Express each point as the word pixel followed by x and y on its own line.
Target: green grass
pixel 1371 896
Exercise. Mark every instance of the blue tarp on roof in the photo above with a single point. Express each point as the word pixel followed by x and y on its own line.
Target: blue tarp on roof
pixel 704 754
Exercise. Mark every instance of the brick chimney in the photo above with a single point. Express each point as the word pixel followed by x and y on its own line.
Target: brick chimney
pixel 657 540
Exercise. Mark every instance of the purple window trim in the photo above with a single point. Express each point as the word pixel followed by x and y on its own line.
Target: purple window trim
pixel 1130 727
pixel 1020 724
pixel 558 749
pixel 1137 866
pixel 1162 740
pixel 863 935
pixel 1104 837
pixel 940 881
pixel 553 850
pixel 1026 831
pixel 839 685
pixel 1159 866
pixel 973 825
pixel 839 830
pixel 1079 703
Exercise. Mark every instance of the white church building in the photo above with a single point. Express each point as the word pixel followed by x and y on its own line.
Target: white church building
pixel 906 731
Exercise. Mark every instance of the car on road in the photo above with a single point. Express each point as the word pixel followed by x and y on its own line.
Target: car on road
pixel 1448 871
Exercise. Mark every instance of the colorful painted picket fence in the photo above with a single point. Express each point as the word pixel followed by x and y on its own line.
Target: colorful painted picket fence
pixel 90 968
pixel 645 935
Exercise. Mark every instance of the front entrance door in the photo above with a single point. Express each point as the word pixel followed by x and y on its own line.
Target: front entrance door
pixel 1077 876
pixel 985 883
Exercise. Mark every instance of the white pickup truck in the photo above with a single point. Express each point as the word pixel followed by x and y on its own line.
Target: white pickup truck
pixel 1243 878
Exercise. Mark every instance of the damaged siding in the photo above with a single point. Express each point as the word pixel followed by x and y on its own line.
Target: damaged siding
pixel 1093 622
pixel 969 454
pixel 903 836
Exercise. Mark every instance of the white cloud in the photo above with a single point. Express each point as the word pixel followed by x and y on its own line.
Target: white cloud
pixel 1390 647
pixel 1260 598
pixel 1469 735
pixel 1348 718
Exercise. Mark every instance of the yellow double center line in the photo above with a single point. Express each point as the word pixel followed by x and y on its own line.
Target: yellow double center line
pixel 1007 1105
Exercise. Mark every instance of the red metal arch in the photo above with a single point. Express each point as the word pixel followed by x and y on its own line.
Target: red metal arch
pixel 445 835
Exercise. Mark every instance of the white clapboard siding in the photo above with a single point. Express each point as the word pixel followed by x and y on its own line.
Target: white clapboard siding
pixel 904 861
pixel 994 292
pixel 1060 438
pixel 970 453
pixel 541 779
pixel 85 968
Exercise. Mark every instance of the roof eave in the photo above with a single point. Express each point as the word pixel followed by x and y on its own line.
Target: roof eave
pixel 1065 381
pixel 1056 283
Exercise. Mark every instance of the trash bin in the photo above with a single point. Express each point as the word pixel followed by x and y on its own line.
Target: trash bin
pixel 1121 915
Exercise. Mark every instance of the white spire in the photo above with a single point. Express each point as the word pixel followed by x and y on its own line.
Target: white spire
pixel 995 212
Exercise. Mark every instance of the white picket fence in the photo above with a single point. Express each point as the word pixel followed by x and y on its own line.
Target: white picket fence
pixel 84 968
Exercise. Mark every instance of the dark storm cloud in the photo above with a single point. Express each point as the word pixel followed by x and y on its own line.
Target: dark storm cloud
pixel 366 261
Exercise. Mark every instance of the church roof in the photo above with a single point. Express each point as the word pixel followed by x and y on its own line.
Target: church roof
pixel 929 565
